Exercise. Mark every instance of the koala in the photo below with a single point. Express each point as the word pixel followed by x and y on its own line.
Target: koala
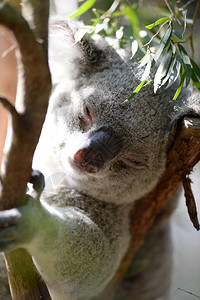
pixel 98 154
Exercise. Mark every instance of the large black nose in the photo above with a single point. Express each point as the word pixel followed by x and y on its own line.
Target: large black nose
pixel 103 146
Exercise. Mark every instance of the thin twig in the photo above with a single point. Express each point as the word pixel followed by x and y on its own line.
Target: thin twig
pixel 188 3
pixel 188 292
pixel 111 9
pixel 172 13
pixel 192 26
pixel 149 42
pixel 8 105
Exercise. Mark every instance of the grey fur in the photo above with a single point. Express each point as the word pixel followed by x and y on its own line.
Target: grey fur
pixel 79 232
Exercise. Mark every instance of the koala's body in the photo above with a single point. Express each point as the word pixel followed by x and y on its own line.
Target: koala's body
pixel 99 154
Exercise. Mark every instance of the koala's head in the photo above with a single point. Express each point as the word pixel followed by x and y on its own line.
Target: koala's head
pixel 110 149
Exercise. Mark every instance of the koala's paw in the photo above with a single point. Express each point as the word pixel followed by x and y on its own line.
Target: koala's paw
pixel 15 229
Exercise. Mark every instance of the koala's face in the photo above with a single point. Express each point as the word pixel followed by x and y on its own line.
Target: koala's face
pixel 110 149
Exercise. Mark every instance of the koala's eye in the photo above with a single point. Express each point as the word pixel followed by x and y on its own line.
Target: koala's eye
pixel 135 162
pixel 88 114
pixel 87 117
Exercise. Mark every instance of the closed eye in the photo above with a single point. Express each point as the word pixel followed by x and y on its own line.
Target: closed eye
pixel 88 114
pixel 133 161
pixel 86 118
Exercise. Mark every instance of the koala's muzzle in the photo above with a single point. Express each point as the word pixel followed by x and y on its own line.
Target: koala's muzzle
pixel 103 146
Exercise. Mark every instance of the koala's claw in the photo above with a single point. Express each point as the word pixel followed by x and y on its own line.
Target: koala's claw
pixel 37 179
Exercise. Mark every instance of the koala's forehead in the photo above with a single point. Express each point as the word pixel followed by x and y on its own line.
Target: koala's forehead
pixel 107 92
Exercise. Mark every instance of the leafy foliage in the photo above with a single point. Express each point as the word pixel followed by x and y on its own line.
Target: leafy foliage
pixel 165 57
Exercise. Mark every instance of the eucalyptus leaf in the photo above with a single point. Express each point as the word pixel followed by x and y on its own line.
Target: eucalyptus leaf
pixel 144 60
pixel 184 55
pixel 173 48
pixel 162 70
pixel 195 80
pixel 81 32
pixel 176 71
pixel 195 68
pixel 134 48
pixel 146 71
pixel 188 75
pixel 179 35
pixel 186 63
pixel 169 71
pixel 158 22
pixel 83 8
pixel 180 85
pixel 138 88
pixel 163 43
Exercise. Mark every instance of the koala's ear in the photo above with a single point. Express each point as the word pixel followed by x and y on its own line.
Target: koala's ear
pixel 67 58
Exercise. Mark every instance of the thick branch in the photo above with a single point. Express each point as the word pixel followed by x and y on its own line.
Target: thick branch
pixel 35 70
pixel 34 18
pixel 184 153
pixel 34 95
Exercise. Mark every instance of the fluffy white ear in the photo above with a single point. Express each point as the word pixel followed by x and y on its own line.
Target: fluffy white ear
pixel 62 50
pixel 67 59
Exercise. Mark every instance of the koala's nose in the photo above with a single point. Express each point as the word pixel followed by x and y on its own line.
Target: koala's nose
pixel 102 147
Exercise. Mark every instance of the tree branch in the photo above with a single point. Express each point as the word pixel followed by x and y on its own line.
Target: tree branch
pixel 196 13
pixel 8 105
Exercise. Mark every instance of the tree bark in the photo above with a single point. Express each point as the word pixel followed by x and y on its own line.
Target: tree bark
pixel 34 87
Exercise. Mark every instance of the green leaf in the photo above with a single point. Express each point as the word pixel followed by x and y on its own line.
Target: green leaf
pixel 176 71
pixel 83 8
pixel 117 14
pixel 163 43
pixel 195 68
pixel 186 63
pixel 195 80
pixel 184 55
pixel 170 70
pixel 147 70
pixel 188 75
pixel 158 22
pixel 162 70
pixel 180 85
pixel 138 88
pixel 145 60
pixel 179 35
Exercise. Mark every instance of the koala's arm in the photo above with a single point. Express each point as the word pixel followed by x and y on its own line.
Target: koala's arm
pixel 73 255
